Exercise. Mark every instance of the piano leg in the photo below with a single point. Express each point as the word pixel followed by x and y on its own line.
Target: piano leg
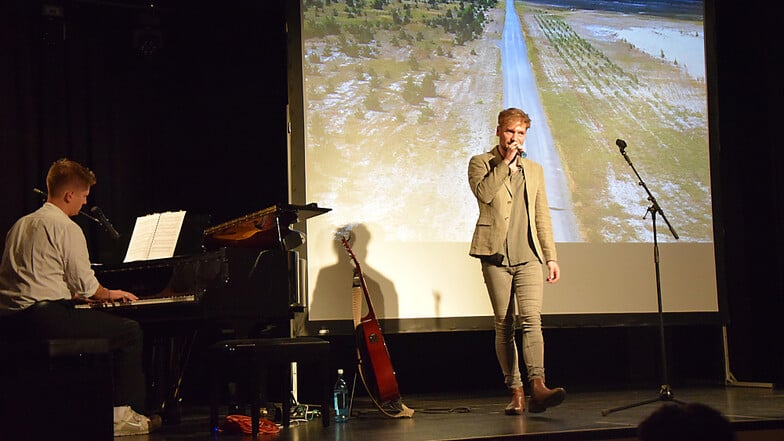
pixel 168 361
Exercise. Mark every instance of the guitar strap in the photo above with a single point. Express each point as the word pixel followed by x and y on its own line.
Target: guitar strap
pixel 395 409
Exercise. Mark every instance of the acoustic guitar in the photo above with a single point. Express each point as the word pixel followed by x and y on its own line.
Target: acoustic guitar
pixel 375 364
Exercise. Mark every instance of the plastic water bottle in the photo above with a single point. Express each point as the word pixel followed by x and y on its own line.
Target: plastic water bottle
pixel 340 399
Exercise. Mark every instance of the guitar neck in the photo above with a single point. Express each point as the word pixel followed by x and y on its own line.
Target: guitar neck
pixel 359 283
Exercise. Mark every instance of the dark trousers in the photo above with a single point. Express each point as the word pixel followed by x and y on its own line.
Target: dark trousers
pixel 59 319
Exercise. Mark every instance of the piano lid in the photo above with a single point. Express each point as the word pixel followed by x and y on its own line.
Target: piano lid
pixel 263 229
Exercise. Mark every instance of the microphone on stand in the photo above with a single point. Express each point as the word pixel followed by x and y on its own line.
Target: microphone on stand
pixel 621 144
pixel 96 210
pixel 41 193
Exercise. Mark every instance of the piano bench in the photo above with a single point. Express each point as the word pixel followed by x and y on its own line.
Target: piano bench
pixel 254 357
pixel 56 388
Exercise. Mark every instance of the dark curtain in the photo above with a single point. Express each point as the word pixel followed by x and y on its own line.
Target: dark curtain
pixel 751 165
pixel 180 106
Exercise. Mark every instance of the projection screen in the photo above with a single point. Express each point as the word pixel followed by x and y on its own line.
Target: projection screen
pixel 397 95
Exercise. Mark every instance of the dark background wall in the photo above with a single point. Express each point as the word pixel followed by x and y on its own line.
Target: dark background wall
pixel 196 124
pixel 197 121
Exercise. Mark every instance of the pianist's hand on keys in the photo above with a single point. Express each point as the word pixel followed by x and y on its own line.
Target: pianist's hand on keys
pixel 104 295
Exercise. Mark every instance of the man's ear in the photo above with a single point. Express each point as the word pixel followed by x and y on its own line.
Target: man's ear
pixel 67 196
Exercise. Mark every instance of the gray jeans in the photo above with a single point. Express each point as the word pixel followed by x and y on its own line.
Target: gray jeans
pixel 525 285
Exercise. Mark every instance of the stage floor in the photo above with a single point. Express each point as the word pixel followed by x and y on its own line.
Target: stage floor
pixel 757 413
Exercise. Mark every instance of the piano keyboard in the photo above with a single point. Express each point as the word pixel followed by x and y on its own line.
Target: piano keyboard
pixel 188 298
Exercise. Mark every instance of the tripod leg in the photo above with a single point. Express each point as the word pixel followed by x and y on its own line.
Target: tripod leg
pixel 606 412
pixel 665 394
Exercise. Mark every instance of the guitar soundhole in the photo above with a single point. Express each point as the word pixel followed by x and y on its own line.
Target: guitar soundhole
pixel 372 338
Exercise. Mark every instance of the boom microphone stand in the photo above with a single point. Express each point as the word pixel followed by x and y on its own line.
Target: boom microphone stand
pixel 665 392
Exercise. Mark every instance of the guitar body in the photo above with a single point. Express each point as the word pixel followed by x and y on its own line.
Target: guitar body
pixel 375 362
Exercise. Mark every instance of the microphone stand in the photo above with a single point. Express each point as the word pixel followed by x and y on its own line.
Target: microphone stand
pixel 44 196
pixel 665 391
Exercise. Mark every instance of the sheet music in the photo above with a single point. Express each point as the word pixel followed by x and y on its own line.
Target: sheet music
pixel 155 236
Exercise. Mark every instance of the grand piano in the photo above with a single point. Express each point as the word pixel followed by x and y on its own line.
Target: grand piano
pixel 171 293
pixel 177 281
pixel 236 278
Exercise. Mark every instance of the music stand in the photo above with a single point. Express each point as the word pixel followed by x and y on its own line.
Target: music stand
pixel 665 391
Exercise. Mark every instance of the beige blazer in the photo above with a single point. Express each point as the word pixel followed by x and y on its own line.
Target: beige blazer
pixel 488 177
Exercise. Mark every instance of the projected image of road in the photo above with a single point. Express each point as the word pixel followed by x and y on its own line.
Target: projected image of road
pixel 400 94
pixel 520 91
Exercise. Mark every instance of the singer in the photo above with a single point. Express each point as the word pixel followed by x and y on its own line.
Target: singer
pixel 45 269
pixel 513 238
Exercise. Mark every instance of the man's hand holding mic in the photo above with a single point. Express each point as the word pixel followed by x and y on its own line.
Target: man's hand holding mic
pixel 513 149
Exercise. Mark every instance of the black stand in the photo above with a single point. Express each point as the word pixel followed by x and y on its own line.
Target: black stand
pixel 665 392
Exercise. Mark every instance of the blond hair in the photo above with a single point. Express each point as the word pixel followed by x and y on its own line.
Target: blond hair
pixel 513 115
pixel 66 174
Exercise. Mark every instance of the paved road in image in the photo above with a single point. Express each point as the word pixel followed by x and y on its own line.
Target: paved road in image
pixel 520 91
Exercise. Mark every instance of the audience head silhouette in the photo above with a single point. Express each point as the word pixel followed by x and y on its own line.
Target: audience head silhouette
pixel 689 422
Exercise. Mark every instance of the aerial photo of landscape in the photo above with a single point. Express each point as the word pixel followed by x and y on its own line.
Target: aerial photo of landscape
pixel 399 94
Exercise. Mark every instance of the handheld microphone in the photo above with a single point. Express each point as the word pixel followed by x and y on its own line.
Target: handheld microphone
pixel 520 151
pixel 98 213
pixel 621 144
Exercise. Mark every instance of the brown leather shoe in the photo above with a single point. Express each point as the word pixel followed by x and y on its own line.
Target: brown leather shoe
pixel 517 406
pixel 542 397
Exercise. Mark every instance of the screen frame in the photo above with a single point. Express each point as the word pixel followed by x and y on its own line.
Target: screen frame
pixel 297 195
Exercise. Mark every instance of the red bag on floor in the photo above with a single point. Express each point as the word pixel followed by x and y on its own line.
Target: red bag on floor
pixel 244 424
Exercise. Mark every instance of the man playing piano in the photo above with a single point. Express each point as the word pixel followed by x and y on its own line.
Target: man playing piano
pixel 45 270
